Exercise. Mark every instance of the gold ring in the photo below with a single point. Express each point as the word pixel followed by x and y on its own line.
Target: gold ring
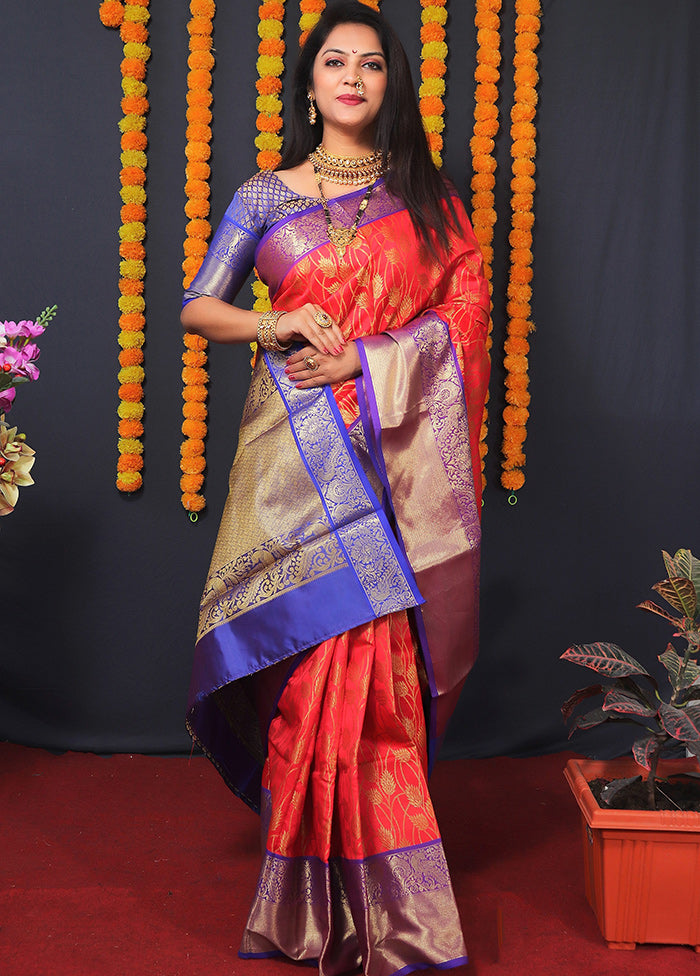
pixel 323 320
pixel 311 363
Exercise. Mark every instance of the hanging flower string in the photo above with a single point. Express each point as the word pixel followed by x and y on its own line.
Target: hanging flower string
pixel 520 325
pixel 432 71
pixel 270 66
pixel 131 17
pixel 487 75
pixel 197 171
pixel 309 13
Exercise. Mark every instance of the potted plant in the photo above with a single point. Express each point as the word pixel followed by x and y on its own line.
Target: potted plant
pixel 642 865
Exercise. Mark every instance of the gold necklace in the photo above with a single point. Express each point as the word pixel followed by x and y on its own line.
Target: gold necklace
pixel 352 170
pixel 341 237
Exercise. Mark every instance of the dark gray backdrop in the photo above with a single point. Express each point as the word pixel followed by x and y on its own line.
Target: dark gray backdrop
pixel 99 590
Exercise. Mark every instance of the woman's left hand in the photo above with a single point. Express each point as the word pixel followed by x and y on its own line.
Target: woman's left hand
pixel 328 369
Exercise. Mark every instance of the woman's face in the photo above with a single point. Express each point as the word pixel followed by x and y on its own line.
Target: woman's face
pixel 350 52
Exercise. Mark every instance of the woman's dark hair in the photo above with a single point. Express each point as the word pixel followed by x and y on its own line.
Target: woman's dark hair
pixel 412 175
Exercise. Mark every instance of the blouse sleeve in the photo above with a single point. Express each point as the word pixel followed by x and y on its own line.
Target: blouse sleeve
pixel 231 254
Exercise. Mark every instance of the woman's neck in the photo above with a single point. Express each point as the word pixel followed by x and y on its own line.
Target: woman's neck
pixel 339 143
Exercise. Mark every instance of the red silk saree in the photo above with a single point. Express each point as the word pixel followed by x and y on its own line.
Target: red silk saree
pixel 340 614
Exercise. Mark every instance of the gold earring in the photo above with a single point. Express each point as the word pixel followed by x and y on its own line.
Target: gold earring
pixel 312 109
pixel 360 86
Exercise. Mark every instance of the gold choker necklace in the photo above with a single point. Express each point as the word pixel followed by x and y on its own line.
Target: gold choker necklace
pixel 352 170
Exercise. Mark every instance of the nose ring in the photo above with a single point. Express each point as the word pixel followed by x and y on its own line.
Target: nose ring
pixel 360 86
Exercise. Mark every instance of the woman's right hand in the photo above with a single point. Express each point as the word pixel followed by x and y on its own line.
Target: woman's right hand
pixel 302 325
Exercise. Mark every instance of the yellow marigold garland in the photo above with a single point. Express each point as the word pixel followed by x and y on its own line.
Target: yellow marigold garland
pixel 487 75
pixel 197 171
pixel 309 13
pixel 131 17
pixel 270 66
pixel 432 71
pixel 523 148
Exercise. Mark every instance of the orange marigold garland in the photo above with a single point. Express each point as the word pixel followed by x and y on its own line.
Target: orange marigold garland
pixel 270 65
pixel 131 17
pixel 309 12
pixel 432 71
pixel 487 75
pixel 197 171
pixel 523 134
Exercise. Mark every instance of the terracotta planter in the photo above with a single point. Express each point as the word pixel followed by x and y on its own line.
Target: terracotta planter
pixel 642 867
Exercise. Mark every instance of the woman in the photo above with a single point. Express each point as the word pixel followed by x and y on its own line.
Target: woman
pixel 339 618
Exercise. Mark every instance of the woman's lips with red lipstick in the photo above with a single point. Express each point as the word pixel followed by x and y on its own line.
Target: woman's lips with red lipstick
pixel 350 99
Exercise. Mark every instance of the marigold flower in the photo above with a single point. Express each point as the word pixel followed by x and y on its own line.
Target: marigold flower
pixel 191 483
pixel 130 375
pixel 131 356
pixel 199 97
pixel 200 61
pixel 130 445
pixel 195 410
pixel 200 25
pixel 132 392
pixel 190 501
pixel 111 13
pixel 193 465
pixel 198 151
pixel 195 393
pixel 130 428
pixel 130 411
pixel 194 428
pixel 486 74
pixel 129 481
pixel 202 8
pixel 130 286
pixel 131 321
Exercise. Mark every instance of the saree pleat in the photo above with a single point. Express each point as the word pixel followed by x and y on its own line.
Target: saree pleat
pixel 354 871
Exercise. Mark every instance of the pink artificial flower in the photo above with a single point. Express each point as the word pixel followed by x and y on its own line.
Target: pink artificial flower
pixel 6 398
pixel 20 361
pixel 30 330
pixel 10 329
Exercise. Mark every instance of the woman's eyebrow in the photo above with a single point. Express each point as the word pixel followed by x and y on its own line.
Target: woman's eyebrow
pixel 367 54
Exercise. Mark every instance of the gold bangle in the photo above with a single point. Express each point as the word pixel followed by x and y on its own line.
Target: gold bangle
pixel 267 332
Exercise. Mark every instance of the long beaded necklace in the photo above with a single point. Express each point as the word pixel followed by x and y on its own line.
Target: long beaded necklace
pixel 352 170
pixel 341 237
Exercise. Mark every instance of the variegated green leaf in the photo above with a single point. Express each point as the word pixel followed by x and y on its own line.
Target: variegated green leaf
pixel 684 563
pixel 673 662
pixel 607 659
pixel 680 593
pixel 679 676
pixel 655 608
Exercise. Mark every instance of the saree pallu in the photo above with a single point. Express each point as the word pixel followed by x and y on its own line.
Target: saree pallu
pixel 340 610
